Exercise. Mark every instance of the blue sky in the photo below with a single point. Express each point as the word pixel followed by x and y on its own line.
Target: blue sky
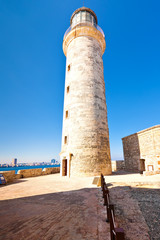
pixel 32 72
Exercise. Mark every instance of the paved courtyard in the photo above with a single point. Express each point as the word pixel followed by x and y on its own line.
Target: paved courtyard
pixel 52 207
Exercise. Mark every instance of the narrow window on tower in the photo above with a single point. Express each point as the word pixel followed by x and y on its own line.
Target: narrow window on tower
pixel 66 114
pixel 65 140
pixel 67 89
pixel 69 67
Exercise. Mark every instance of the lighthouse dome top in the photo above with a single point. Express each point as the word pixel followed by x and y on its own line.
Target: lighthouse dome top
pixel 83 23
pixel 83 15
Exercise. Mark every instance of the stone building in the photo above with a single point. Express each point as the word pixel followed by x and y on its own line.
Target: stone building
pixel 117 165
pixel 85 138
pixel 142 150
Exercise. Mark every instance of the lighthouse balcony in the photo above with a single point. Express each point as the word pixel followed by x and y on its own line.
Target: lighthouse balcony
pixel 83 24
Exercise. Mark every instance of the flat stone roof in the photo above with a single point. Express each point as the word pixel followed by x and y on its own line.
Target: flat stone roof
pixel 143 131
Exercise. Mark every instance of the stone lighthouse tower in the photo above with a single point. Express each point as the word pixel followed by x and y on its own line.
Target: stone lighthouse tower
pixel 85 138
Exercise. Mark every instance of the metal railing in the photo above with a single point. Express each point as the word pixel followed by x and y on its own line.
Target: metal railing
pixel 83 24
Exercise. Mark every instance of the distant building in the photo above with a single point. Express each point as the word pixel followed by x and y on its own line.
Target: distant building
pixel 53 161
pixel 142 150
pixel 117 165
pixel 14 162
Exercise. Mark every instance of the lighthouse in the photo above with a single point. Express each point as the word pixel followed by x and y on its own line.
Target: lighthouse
pixel 85 136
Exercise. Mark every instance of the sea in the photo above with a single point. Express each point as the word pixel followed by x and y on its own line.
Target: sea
pixel 27 167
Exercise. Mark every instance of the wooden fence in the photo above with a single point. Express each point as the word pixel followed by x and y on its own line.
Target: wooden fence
pixel 116 233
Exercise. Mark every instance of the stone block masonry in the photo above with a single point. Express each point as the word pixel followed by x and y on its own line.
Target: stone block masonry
pixel 118 165
pixel 142 150
pixel 10 176
pixel 30 172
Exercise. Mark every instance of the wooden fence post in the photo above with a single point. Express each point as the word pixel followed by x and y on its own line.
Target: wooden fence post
pixel 119 234
pixel 111 220
pixel 116 233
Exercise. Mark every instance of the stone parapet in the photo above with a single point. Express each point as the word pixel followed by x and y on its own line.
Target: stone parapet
pixel 10 176
pixel 47 171
pixel 147 173
pixel 25 173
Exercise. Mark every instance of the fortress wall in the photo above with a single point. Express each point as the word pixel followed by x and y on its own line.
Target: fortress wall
pixel 149 142
pixel 143 145
pixel 10 176
pixel 30 172
pixel 50 170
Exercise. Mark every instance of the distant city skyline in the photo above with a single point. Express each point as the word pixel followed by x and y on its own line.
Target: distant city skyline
pixel 12 163
pixel 32 73
pixel 8 161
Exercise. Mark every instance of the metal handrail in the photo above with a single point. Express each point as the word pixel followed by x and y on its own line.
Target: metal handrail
pixel 83 24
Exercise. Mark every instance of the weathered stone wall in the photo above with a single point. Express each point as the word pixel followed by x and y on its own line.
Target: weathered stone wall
pixel 131 152
pixel 50 170
pixel 149 142
pixel 86 126
pixel 10 176
pixel 143 145
pixel 117 165
pixel 30 172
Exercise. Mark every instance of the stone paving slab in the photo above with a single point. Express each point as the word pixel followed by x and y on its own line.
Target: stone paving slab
pixel 137 204
pixel 128 213
pixel 54 207
pixel 51 207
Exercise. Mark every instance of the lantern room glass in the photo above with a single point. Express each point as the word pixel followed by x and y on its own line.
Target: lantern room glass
pixel 83 17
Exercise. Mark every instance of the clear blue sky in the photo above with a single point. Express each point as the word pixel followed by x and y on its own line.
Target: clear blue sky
pixel 32 72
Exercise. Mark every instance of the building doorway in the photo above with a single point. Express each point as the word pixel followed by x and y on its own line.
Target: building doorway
pixel 142 165
pixel 64 167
